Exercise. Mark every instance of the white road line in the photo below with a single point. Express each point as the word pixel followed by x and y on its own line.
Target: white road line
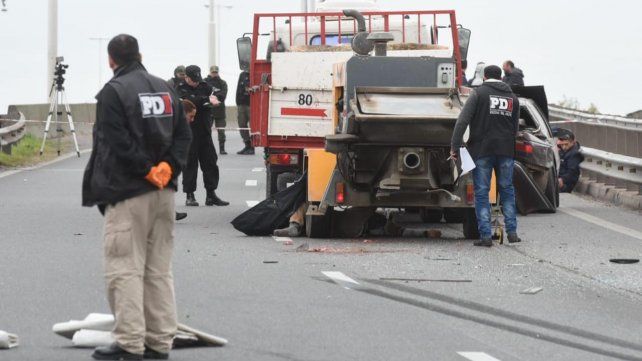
pixel 339 277
pixel 602 223
pixel 258 169
pixel 53 161
pixel 251 183
pixel 282 239
pixel 477 356
pixel 251 203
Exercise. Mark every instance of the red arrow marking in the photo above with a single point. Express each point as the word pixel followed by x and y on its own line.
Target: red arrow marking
pixel 306 112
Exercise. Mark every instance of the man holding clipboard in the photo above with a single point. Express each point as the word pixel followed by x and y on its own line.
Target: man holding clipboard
pixel 492 113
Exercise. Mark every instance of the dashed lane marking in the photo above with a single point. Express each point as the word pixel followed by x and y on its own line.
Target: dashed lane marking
pixel 602 223
pixel 258 169
pixel 251 203
pixel 340 279
pixel 477 356
pixel 251 183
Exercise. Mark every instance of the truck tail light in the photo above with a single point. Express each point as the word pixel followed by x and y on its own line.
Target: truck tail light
pixel 340 192
pixel 470 193
pixel 524 148
pixel 284 159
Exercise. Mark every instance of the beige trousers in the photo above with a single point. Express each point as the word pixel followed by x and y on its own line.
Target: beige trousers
pixel 138 246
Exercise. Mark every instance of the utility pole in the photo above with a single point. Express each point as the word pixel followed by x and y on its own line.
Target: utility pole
pixel 212 34
pixel 52 42
pixel 101 50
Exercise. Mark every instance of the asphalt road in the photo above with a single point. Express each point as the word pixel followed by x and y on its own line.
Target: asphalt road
pixel 588 308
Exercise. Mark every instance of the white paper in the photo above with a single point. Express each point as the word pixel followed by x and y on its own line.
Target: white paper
pixel 467 163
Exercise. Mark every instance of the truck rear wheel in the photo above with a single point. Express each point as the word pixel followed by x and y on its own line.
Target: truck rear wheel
pixel 319 226
pixel 453 215
pixel 469 224
pixel 429 215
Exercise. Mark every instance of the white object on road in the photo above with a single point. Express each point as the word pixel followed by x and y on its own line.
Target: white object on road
pixel 531 290
pixel 251 182
pixel 8 340
pixel 477 356
pixel 93 321
pixel 92 338
pixel 467 163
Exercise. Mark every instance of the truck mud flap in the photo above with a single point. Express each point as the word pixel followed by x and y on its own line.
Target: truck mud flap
pixel 528 197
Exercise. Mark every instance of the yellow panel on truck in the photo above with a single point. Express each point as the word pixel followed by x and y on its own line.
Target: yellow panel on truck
pixel 320 167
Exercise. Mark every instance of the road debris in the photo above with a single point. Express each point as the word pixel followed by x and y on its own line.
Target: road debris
pixel 288 242
pixel 8 340
pixel 303 248
pixel 270 262
pixel 531 290
pixel 95 330
pixel 516 265
pixel 624 260
pixel 421 280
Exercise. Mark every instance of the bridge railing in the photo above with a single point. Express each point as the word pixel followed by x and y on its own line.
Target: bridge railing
pixel 611 144
pixel 11 131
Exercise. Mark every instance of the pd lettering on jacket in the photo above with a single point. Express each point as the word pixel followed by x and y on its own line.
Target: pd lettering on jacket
pixel 501 105
pixel 156 105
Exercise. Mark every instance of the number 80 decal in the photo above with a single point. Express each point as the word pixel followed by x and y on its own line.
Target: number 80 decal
pixel 305 99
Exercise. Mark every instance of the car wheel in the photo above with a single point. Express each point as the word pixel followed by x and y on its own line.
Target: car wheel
pixel 429 215
pixel 469 224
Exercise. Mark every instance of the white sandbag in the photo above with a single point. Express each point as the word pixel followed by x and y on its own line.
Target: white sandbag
pixel 92 338
pixel 94 321
pixel 8 340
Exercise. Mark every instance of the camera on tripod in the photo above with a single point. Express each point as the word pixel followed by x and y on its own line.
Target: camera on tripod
pixel 59 71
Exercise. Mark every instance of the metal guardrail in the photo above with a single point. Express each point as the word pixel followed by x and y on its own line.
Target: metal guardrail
pixel 612 169
pixel 10 135
pixel 611 144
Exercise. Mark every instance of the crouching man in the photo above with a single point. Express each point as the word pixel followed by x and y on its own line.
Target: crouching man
pixel 141 140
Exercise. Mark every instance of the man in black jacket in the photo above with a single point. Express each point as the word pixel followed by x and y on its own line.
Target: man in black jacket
pixel 219 88
pixel 570 159
pixel 202 148
pixel 512 75
pixel 492 112
pixel 243 108
pixel 141 139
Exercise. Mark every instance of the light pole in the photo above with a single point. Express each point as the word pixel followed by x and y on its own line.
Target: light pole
pixel 100 58
pixel 214 32
pixel 52 42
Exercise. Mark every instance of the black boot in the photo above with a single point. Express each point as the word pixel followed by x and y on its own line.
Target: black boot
pixel 114 352
pixel 221 147
pixel 484 242
pixel 191 201
pixel 213 200
pixel 151 354
pixel 180 215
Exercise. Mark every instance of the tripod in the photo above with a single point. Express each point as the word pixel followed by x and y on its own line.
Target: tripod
pixel 57 97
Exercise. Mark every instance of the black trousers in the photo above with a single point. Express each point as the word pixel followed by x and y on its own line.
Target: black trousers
pixel 201 151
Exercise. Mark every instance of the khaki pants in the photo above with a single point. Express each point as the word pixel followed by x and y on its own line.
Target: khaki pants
pixel 138 246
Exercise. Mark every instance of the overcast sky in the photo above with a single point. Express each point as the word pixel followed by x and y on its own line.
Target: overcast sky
pixel 584 49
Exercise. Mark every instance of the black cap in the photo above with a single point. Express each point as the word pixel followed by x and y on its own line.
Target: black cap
pixel 493 72
pixel 193 72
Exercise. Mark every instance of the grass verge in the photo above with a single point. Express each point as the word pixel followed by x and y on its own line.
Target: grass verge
pixel 27 152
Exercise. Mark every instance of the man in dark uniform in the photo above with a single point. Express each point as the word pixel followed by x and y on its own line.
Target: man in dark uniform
pixel 179 76
pixel 243 109
pixel 219 88
pixel 570 159
pixel 492 112
pixel 141 140
pixel 202 148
